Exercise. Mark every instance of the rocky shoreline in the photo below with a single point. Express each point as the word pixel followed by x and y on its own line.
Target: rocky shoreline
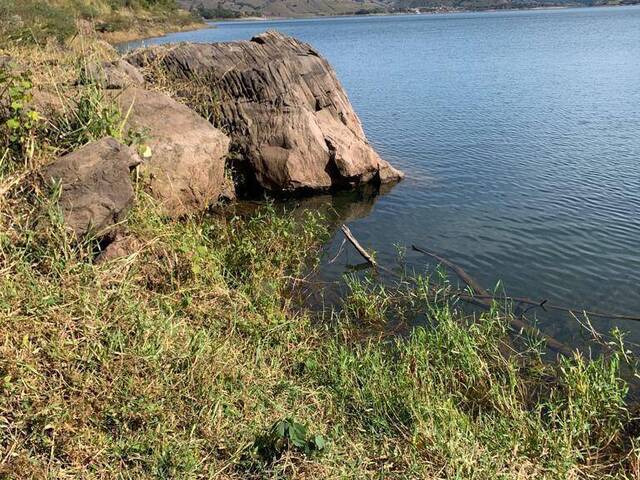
pixel 273 119
pixel 143 337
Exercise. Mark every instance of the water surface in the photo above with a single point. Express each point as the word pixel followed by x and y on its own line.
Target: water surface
pixel 519 133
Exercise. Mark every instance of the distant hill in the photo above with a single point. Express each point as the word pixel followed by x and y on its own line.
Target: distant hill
pixel 299 8
pixel 282 8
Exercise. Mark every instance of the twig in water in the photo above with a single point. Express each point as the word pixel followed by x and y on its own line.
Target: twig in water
pixel 358 247
pixel 475 286
pixel 481 298
pixel 466 278
pixel 344 240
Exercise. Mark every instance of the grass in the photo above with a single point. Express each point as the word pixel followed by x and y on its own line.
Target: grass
pixel 39 21
pixel 194 356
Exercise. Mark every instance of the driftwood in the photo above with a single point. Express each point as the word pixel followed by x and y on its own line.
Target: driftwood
pixel 362 251
pixel 485 302
pixel 478 291
pixel 544 305
pixel 347 233
pixel 482 298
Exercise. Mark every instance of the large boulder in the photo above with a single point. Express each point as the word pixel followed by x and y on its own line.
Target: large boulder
pixel 291 123
pixel 187 163
pixel 95 182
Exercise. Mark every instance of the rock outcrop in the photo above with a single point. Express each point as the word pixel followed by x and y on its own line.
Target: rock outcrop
pixel 291 123
pixel 186 167
pixel 95 182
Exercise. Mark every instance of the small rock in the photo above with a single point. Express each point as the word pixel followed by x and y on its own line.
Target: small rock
pixel 121 246
pixel 118 74
pixel 96 189
pixel 47 103
pixel 84 27
pixel 186 167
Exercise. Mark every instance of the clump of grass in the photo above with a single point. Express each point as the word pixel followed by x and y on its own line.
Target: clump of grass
pixel 366 301
pixel 466 411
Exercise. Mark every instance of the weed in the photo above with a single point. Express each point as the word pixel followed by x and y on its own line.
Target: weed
pixel 366 301
pixel 285 435
pixel 18 122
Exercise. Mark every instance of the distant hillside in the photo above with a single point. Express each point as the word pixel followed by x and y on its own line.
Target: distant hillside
pixel 28 20
pixel 298 8
pixel 282 8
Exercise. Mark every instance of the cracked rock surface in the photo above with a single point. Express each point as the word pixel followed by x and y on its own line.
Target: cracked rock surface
pixel 291 124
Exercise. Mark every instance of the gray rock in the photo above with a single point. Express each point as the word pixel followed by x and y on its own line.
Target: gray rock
pixel 287 114
pixel 96 188
pixel 114 75
pixel 186 167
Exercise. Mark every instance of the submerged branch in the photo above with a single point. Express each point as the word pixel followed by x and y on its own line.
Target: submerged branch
pixel 484 303
pixel 485 295
pixel 478 290
pixel 347 233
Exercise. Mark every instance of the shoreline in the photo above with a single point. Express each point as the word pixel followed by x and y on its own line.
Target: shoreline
pixel 393 14
pixel 190 354
pixel 121 37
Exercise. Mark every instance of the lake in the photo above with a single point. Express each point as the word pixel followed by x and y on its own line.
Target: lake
pixel 519 133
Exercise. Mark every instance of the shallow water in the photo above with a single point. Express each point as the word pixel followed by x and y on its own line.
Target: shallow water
pixel 519 133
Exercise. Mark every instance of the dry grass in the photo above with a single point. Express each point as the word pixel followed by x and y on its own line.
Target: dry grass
pixel 40 21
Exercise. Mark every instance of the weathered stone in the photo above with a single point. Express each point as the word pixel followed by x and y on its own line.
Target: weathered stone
pixel 96 189
pixel 282 104
pixel 5 62
pixel 48 103
pixel 114 75
pixel 121 246
pixel 186 167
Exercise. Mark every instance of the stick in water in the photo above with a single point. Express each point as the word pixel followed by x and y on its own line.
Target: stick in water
pixel 482 298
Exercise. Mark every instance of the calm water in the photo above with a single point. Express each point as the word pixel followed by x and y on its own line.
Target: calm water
pixel 519 133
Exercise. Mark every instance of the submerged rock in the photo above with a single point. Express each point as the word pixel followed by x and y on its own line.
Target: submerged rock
pixel 291 123
pixel 186 167
pixel 96 189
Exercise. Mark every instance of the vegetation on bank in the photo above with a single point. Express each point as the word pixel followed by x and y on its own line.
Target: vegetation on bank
pixel 214 12
pixel 195 356
pixel 30 21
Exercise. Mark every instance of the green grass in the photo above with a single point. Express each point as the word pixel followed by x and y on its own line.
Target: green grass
pixel 173 362
pixel 195 357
